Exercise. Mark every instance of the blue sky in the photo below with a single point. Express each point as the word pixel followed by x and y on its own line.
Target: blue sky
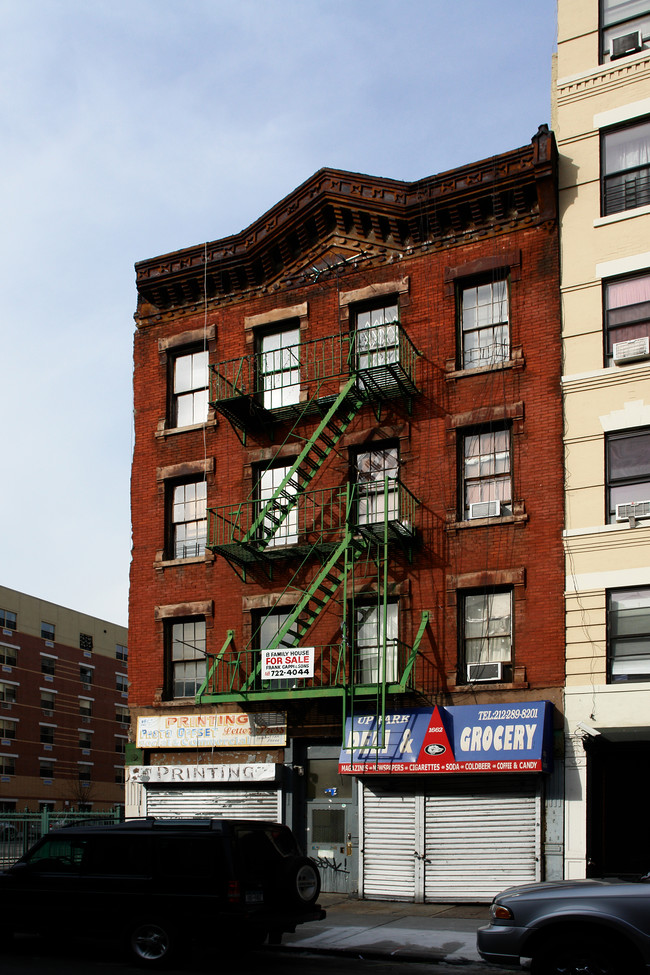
pixel 133 129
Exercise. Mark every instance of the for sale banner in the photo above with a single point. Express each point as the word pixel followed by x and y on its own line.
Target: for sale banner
pixel 284 664
pixel 470 738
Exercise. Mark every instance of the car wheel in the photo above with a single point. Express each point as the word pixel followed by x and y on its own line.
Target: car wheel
pixel 151 944
pixel 582 958
pixel 303 882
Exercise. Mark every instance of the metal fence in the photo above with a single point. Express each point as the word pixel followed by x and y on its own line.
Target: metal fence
pixel 19 831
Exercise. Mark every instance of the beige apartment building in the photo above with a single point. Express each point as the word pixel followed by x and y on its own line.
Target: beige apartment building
pixel 601 117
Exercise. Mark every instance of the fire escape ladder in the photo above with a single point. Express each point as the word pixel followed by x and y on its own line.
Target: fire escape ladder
pixel 214 667
pixel 323 587
pixel 311 458
pixel 410 664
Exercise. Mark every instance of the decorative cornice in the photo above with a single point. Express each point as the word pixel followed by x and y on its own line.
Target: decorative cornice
pixel 337 220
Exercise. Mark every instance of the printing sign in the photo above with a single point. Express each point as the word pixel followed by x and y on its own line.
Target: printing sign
pixel 285 664
pixel 470 738
pixel 223 730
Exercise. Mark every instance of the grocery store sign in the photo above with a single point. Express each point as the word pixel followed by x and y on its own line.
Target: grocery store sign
pixel 469 738
pixel 229 730
pixel 283 663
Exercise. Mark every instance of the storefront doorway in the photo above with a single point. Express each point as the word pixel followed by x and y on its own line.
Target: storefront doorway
pixel 618 843
pixel 332 822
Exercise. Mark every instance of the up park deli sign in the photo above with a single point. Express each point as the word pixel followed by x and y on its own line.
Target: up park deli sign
pixel 470 738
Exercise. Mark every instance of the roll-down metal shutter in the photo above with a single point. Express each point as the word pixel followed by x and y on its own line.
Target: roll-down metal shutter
pixel 481 836
pixel 215 803
pixel 451 840
pixel 388 823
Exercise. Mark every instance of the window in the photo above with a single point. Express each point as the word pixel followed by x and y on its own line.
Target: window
pixel 85 772
pixel 85 739
pixel 7 619
pixel 189 519
pixel 119 777
pixel 267 626
pixel 47 701
pixel 279 364
pixel 628 631
pixel 7 764
pixel 190 389
pixel 188 657
pixel 376 643
pixel 628 468
pixel 47 631
pixel 120 745
pixel 486 474
pixel 85 641
pixel 7 693
pixel 48 665
pixel 47 734
pixel 625 158
pixel 121 715
pixel 484 329
pixel 627 311
pixel 46 768
pixel 377 489
pixel 85 707
pixel 121 652
pixel 8 655
pixel 280 526
pixel 486 635
pixel 7 729
pixel 85 674
pixel 624 28
pixel 377 335
pixel 122 683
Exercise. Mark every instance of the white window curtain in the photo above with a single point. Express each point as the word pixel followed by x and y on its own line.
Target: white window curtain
pixel 627 148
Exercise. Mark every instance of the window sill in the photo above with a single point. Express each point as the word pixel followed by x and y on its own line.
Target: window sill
pixel 519 518
pixel 452 373
pixel 622 215
pixel 163 563
pixel 518 685
pixel 164 431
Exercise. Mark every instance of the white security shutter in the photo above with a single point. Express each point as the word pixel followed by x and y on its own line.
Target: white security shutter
pixel 450 839
pixel 482 834
pixel 388 830
pixel 215 804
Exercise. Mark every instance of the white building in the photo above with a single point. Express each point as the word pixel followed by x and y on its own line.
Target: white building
pixel 601 117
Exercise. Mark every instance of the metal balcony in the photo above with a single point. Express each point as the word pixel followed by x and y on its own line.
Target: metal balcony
pixel 293 523
pixel 265 387
pixel 237 675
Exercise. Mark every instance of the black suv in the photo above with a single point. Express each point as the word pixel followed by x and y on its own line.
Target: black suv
pixel 159 883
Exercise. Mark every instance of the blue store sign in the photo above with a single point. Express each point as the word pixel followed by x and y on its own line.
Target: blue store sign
pixel 470 738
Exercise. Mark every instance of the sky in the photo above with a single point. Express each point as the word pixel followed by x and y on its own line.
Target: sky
pixel 132 129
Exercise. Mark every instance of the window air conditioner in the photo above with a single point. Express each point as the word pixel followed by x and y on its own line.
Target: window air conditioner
pixel 633 510
pixel 485 509
pixel 481 672
pixel 626 44
pixel 631 349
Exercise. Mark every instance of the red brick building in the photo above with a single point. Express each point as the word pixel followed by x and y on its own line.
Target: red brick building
pixel 347 581
pixel 64 719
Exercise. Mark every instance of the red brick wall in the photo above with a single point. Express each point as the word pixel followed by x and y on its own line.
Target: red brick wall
pixel 530 547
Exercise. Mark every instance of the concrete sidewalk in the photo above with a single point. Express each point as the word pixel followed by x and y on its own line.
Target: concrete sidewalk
pixel 382 929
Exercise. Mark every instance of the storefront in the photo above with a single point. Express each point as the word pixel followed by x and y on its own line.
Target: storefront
pixel 450 800
pixel 209 766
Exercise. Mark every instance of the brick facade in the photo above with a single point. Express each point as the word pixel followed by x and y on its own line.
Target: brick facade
pixel 315 270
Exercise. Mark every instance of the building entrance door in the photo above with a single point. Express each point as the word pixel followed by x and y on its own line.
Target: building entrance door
pixel 332 825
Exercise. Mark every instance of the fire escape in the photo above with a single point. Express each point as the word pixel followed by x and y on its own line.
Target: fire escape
pixel 319 539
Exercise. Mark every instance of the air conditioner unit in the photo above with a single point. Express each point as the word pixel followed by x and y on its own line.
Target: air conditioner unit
pixel 485 509
pixel 633 510
pixel 631 349
pixel 484 672
pixel 626 44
